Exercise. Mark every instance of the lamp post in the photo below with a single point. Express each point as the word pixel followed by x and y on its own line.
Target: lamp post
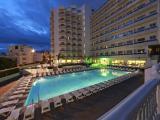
pixel 33 51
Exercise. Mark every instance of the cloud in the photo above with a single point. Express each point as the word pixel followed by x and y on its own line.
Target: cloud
pixel 27 21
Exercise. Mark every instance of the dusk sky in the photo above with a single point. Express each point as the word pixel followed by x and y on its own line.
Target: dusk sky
pixel 27 21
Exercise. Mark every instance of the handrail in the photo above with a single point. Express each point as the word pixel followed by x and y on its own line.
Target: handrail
pixel 127 109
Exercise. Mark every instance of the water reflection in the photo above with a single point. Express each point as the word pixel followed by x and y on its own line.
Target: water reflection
pixel 116 73
pixel 104 72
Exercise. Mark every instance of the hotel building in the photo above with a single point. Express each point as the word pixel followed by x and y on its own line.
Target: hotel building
pixel 24 54
pixel 70 33
pixel 122 30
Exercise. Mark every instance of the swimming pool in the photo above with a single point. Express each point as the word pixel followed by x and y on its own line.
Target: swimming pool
pixel 51 86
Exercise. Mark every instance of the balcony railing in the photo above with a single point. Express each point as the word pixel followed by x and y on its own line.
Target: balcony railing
pixel 143 104
pixel 132 13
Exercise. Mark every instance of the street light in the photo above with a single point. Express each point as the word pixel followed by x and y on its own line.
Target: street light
pixel 33 51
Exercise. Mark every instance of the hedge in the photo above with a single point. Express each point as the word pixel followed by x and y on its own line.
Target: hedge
pixel 72 64
pixel 6 63
pixel 8 72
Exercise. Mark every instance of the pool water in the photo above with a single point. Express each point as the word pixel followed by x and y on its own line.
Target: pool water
pixel 51 86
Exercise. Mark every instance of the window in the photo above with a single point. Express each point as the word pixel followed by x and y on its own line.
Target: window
pixel 153 37
pixel 140 29
pixel 129 52
pixel 153 12
pixel 152 25
pixel 16 47
pixel 129 42
pixel 120 52
pixel 141 51
pixel 141 40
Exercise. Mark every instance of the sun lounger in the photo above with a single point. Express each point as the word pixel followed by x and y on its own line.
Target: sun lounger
pixel 68 98
pixel 52 72
pixel 24 84
pixel 22 88
pixel 15 96
pixel 34 75
pixel 45 105
pixel 14 114
pixel 29 112
pixel 19 91
pixel 85 92
pixel 44 74
pixel 78 95
pixel 57 101
pixel 60 72
pixel 102 85
pixel 6 110
pixel 10 102
pixel 92 89
pixel 40 75
pixel 49 73
pixel 99 88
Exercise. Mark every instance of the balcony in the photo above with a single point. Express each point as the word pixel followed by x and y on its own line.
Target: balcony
pixel 73 44
pixel 128 15
pixel 143 104
pixel 79 44
pixel 68 44
pixel 126 44
pixel 62 44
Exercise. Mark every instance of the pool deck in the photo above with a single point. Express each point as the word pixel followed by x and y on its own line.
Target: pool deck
pixel 5 90
pixel 92 107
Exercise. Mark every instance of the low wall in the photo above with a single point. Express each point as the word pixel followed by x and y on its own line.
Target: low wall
pixel 148 74
pixel 9 78
pixel 152 72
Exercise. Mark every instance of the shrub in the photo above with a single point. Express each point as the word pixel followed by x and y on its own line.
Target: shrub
pixel 6 63
pixel 8 72
pixel 70 64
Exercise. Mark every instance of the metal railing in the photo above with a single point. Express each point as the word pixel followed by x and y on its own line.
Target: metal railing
pixel 143 104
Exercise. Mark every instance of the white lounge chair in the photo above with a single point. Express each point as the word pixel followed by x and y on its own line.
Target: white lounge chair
pixel 10 102
pixel 78 95
pixel 19 92
pixel 52 72
pixel 14 114
pixel 34 75
pixel 29 112
pixel 85 92
pixel 49 74
pixel 15 96
pixel 6 109
pixel 57 101
pixel 44 74
pixel 45 106
pixel 40 74
pixel 102 85
pixel 92 89
pixel 99 88
pixel 68 98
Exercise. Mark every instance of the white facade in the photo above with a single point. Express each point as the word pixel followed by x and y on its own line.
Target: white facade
pixel 38 57
pixel 87 12
pixel 24 54
pixel 70 32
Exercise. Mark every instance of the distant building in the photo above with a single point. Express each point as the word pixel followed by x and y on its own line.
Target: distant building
pixel 70 33
pixel 24 54
pixel 38 57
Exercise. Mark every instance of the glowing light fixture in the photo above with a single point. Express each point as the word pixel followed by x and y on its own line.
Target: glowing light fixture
pixel 33 51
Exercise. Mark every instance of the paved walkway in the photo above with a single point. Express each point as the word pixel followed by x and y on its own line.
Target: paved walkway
pixel 6 88
pixel 96 105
